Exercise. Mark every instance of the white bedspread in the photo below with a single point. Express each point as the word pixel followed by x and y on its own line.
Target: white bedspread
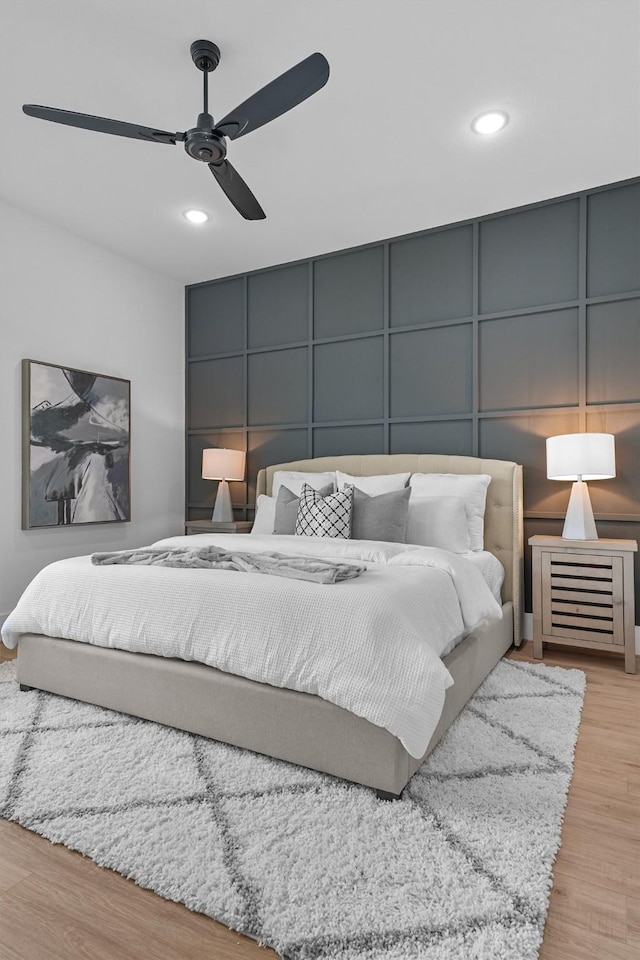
pixel 371 645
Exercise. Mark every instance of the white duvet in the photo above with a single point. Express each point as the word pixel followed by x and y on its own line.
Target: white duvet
pixel 372 645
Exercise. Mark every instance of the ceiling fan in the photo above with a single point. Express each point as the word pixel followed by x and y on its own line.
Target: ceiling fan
pixel 207 141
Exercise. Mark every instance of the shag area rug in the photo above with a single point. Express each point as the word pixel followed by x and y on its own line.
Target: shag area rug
pixel 459 869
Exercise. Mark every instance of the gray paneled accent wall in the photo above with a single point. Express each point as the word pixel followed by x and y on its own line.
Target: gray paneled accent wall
pixel 480 338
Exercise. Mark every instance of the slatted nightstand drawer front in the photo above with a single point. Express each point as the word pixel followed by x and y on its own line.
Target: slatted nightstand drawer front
pixel 585 598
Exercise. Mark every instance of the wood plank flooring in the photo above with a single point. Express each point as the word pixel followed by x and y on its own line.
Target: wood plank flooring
pixel 57 905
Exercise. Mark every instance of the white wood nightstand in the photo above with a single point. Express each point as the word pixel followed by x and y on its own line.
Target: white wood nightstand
pixel 583 595
pixel 208 526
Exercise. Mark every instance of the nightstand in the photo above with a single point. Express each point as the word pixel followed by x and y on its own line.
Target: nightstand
pixel 583 595
pixel 208 526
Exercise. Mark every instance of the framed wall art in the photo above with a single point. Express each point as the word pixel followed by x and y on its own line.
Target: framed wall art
pixel 76 446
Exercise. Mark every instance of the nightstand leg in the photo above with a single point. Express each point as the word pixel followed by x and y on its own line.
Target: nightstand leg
pixel 630 657
pixel 537 648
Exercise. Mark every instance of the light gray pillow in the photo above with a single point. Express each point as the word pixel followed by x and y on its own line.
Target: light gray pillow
pixel 380 518
pixel 287 509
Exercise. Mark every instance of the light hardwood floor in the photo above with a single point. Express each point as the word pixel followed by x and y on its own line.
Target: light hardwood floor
pixel 56 905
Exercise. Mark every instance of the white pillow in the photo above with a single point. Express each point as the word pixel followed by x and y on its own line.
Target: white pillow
pixel 265 519
pixel 438 522
pixel 470 487
pixel 293 479
pixel 374 486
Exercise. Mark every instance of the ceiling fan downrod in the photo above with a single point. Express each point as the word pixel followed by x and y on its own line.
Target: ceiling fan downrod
pixel 206 56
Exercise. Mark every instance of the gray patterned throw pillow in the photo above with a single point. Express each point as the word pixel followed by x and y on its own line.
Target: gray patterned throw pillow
pixel 320 516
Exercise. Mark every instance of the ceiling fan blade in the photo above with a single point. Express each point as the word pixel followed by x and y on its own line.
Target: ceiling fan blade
pixel 237 190
pixel 283 93
pixel 101 124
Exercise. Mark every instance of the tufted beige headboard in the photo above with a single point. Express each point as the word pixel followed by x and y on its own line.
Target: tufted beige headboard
pixel 503 517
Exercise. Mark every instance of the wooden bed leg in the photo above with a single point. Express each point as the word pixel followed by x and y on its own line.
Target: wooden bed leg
pixel 385 795
pixel 24 687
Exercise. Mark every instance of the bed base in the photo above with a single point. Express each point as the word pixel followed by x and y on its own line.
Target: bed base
pixel 297 727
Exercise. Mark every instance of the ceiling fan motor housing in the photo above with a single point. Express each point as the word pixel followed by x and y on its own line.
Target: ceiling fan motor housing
pixel 202 143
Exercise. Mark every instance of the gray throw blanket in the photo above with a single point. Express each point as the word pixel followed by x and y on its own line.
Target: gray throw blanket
pixel 215 558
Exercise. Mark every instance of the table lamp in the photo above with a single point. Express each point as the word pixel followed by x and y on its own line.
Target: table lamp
pixel 580 457
pixel 220 464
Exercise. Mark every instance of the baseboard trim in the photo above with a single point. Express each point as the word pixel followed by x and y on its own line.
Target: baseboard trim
pixel 527 632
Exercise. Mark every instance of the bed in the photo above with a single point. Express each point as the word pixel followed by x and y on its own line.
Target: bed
pixel 294 726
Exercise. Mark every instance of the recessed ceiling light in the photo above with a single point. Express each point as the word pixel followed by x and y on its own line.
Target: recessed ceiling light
pixel 490 122
pixel 196 216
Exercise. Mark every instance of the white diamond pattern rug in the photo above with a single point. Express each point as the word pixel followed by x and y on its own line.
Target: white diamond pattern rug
pixel 459 869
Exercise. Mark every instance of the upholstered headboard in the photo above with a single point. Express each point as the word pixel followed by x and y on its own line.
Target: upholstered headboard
pixel 503 534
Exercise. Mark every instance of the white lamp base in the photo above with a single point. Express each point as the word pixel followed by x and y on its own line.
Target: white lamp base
pixel 579 523
pixel 222 509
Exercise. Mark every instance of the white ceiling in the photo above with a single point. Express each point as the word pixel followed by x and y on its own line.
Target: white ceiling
pixel 384 149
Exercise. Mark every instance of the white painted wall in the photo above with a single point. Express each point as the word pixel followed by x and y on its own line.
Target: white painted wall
pixel 65 300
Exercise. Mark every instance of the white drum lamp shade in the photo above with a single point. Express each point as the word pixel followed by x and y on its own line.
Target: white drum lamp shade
pixel 221 464
pixel 580 457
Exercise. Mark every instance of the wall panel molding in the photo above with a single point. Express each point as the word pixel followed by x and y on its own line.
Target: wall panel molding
pixel 475 338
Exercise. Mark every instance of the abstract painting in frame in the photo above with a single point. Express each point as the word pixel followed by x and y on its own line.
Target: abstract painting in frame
pixel 76 446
